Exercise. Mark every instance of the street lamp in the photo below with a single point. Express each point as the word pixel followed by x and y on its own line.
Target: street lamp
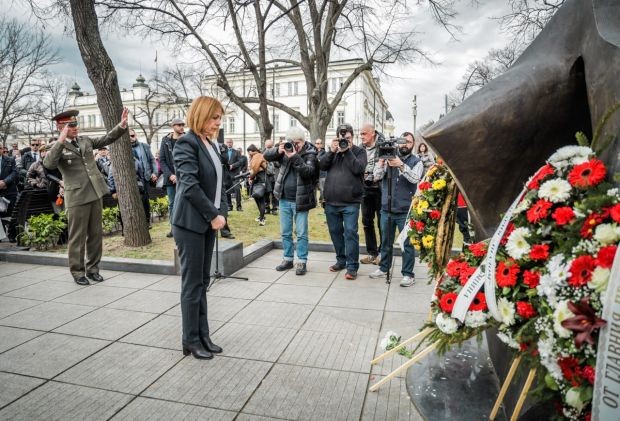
pixel 415 111
pixel 273 98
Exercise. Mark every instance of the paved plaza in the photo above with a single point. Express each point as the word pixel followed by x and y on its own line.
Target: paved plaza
pixel 295 348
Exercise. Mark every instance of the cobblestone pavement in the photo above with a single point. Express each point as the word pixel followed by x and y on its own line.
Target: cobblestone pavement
pixel 295 347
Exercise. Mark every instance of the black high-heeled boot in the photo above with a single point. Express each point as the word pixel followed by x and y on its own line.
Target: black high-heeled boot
pixel 209 345
pixel 198 351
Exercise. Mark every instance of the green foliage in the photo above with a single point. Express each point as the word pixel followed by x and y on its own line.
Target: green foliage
pixel 160 206
pixel 42 231
pixel 110 219
pixel 582 139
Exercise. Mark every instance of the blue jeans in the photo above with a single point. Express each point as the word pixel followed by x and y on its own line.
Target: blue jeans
pixel 342 224
pixel 171 191
pixel 398 220
pixel 287 215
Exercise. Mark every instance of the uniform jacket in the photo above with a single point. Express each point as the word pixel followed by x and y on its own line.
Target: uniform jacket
pixel 196 185
pixel 83 180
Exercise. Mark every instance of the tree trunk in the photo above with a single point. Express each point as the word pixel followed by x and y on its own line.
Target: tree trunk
pixel 102 74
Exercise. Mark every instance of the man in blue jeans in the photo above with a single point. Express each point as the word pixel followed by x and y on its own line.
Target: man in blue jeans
pixel 294 188
pixel 343 191
pixel 406 171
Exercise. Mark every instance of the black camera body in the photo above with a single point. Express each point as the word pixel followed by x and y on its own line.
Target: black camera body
pixel 343 143
pixel 388 148
pixel 289 146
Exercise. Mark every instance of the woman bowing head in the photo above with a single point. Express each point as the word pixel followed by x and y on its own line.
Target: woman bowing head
pixel 199 211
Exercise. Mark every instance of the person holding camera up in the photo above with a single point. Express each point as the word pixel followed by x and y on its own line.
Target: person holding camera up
pixel 345 164
pixel 294 189
pixel 406 171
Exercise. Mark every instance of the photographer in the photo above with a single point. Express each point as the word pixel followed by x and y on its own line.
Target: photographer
pixel 294 188
pixel 345 164
pixel 371 202
pixel 406 171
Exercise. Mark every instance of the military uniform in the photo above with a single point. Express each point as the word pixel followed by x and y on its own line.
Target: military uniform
pixel 84 188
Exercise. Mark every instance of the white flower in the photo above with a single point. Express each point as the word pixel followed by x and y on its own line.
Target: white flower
pixel 475 319
pixel 506 311
pixel 555 190
pixel 570 155
pixel 573 398
pixel 548 358
pixel 547 288
pixel 446 324
pixel 522 206
pixel 391 338
pixel 517 245
pixel 612 192
pixel 557 269
pixel 600 278
pixel 560 314
pixel 507 339
pixel 607 233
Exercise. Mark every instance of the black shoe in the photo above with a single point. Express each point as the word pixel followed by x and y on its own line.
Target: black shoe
pixel 95 277
pixel 239 209
pixel 230 208
pixel 82 280
pixel 210 346
pixel 228 235
pixel 337 267
pixel 198 351
pixel 169 235
pixel 301 269
pixel 285 265
pixel 274 212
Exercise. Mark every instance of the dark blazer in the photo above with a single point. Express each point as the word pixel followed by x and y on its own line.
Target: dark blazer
pixel 166 159
pixel 196 185
pixel 8 173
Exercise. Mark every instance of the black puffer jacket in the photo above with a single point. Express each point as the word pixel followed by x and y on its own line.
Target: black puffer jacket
pixel 306 167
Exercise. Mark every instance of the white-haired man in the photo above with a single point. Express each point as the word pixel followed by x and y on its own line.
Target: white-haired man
pixel 295 189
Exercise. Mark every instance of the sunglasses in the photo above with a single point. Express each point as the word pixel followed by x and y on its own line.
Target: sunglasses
pixel 35 144
pixel 182 124
pixel 73 124
pixel 132 135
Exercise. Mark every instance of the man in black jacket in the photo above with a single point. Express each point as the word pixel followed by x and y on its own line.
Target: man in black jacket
pixel 234 166
pixel 166 162
pixel 294 188
pixel 344 188
pixel 8 184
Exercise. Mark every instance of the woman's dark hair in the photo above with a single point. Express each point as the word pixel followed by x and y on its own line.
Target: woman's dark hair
pixel 420 146
pixel 252 148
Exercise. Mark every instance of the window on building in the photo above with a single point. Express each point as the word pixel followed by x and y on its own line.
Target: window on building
pixel 256 127
pixel 293 122
pixel 276 122
pixel 231 125
pixel 331 123
pixel 340 117
pixel 277 85
pixel 293 88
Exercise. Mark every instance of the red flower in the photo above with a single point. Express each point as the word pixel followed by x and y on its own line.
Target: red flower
pixel 542 173
pixel 570 369
pixel 435 214
pixel 523 347
pixel 479 303
pixel 447 302
pixel 425 185
pixel 588 174
pixel 531 279
pixel 538 211
pixel 563 215
pixel 506 274
pixel 589 373
pixel 615 212
pixel 588 417
pixel 419 226
pixel 411 223
pixel 525 310
pixel 438 293
pixel 605 256
pixel 539 252
pixel 478 249
pixel 509 229
pixel 465 273
pixel 581 271
pixel 453 268
pixel 590 223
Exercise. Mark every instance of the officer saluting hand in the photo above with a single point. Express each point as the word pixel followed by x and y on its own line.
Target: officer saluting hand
pixel 84 188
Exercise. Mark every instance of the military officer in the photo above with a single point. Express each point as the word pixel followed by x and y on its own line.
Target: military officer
pixel 84 188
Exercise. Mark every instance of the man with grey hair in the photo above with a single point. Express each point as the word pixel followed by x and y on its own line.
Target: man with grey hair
pixel 295 189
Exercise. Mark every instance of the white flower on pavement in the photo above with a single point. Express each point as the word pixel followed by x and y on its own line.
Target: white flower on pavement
pixel 446 324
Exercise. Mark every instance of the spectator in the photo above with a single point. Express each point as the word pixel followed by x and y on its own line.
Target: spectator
pixel 142 188
pixel 167 164
pixel 344 188
pixel 36 178
pixel 103 161
pixel 424 154
pixel 320 147
pixel 33 155
pixel 294 190
pixel 233 168
pixel 14 150
pixel 148 166
pixel 8 185
pixel 271 202
pixel 258 180
pixel 158 163
pixel 243 167
pixel 406 172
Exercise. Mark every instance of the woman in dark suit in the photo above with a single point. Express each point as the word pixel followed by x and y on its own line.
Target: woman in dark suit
pixel 199 211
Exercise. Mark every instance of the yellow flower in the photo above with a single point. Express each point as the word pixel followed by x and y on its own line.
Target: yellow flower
pixel 432 171
pixel 421 206
pixel 417 247
pixel 427 241
pixel 439 184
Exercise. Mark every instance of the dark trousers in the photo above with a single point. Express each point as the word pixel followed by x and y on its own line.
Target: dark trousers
pixel 342 225
pixel 236 192
pixel 260 204
pixel 271 202
pixel 195 251
pixel 389 224
pixel 146 205
pixel 85 238
pixel 371 212
pixel 462 218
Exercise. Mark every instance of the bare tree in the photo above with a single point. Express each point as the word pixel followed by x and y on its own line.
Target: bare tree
pixel 53 100
pixel 528 17
pixel 24 56
pixel 305 34
pixel 147 114
pixel 182 82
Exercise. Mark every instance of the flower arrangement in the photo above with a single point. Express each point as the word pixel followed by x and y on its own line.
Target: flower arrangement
pixel 428 216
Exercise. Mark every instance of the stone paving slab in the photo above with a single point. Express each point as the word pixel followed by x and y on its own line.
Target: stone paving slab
pixel 224 383
pixel 268 313
pixel 156 410
pixel 303 393
pixel 123 368
pixel 12 268
pixel 292 294
pixel 45 291
pixel 408 301
pixel 390 402
pixel 48 355
pixel 106 323
pixel 223 308
pixel 169 283
pixel 252 341
pixel 231 288
pixel 344 320
pixel 15 386
pixel 62 402
pixel 313 279
pixel 147 301
pixel 365 298
pixel 13 282
pixel 259 274
pixel 133 280
pixel 46 316
pixel 96 295
pixel 11 337
pixel 11 305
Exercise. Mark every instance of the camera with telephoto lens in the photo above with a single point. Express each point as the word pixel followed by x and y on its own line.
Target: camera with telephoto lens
pixel 387 148
pixel 343 143
pixel 289 146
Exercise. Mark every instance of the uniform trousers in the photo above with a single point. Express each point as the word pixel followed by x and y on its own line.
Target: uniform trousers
pixel 85 238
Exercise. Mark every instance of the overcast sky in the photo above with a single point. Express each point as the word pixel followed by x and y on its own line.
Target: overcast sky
pixel 480 33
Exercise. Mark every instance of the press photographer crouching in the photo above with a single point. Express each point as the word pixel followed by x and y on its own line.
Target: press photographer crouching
pixel 294 188
pixel 344 187
pixel 406 171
